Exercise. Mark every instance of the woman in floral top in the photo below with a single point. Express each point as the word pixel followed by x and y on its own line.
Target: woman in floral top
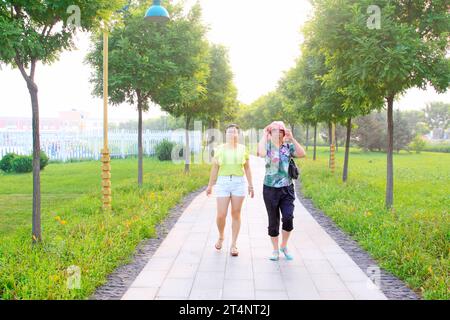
pixel 278 146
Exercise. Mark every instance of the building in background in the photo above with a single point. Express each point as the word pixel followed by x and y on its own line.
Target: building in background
pixel 73 121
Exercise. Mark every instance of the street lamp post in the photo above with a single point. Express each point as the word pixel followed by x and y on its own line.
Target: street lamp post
pixel 106 159
pixel 155 13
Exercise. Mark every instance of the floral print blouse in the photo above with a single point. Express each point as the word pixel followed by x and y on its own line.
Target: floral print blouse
pixel 277 165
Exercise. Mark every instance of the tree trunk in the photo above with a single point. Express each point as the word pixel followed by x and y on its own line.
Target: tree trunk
pixel 390 147
pixel 33 91
pixel 187 151
pixel 307 136
pixel 347 150
pixel 329 143
pixel 209 140
pixel 315 141
pixel 36 225
pixel 293 129
pixel 140 149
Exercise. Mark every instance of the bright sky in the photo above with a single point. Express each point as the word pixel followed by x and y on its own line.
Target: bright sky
pixel 262 36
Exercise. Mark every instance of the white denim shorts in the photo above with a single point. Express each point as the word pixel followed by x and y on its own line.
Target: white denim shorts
pixel 227 186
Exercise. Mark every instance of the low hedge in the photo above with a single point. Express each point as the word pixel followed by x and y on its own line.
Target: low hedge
pixel 6 162
pixel 441 147
pixel 12 162
pixel 164 149
pixel 22 164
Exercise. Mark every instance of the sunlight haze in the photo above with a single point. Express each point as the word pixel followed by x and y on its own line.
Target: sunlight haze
pixel 263 38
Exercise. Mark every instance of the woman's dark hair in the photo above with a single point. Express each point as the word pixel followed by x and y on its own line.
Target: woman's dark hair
pixel 233 126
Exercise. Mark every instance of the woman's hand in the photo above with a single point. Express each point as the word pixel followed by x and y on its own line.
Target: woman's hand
pixel 299 151
pixel 209 190
pixel 261 152
pixel 267 130
pixel 251 193
pixel 288 137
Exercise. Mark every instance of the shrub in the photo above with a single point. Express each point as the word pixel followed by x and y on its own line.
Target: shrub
pixel 163 150
pixel 371 133
pixel 418 144
pixel 43 160
pixel 441 147
pixel 22 164
pixel 6 162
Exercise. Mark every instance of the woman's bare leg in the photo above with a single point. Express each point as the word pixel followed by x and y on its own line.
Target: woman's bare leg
pixel 236 207
pixel 222 210
pixel 286 235
pixel 274 243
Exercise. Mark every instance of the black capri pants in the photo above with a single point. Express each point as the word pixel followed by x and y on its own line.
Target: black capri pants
pixel 279 200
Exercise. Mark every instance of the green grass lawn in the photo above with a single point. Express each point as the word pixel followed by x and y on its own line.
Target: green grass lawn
pixel 75 230
pixel 60 183
pixel 413 240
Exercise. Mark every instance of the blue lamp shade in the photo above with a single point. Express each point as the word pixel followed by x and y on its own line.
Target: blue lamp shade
pixel 157 13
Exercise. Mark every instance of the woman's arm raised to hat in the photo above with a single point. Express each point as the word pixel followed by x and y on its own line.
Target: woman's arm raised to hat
pixel 299 151
pixel 263 142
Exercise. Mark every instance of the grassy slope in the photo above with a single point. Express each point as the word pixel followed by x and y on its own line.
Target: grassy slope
pixel 413 240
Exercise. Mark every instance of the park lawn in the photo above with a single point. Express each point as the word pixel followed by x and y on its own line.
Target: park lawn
pixel 76 232
pixel 59 183
pixel 413 240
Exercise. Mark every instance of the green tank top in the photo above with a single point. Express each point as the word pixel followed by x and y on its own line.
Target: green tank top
pixel 231 161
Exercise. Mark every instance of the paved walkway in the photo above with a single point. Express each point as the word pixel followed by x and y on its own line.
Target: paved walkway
pixel 187 266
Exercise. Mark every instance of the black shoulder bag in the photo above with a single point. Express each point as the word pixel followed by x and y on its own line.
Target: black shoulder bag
pixel 293 170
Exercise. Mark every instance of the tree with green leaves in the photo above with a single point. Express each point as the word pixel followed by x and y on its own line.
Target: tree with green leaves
pixel 267 108
pixel 301 88
pixel 290 114
pixel 404 132
pixel 370 132
pixel 186 94
pixel 221 102
pixel 33 32
pixel 250 116
pixel 437 116
pixel 275 109
pixel 416 120
pixel 335 106
pixel 407 49
pixel 145 58
pixel 335 102
pixel 164 122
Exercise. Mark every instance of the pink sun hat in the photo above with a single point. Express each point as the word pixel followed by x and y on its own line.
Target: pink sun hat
pixel 277 125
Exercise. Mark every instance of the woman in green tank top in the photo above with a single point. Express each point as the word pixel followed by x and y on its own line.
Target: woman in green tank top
pixel 230 164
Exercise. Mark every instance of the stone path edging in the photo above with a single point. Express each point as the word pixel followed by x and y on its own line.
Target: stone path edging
pixel 122 278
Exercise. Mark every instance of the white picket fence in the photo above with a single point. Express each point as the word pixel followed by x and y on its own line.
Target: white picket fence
pixel 64 146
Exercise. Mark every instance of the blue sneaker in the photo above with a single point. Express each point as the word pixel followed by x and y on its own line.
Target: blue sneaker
pixel 275 255
pixel 286 253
